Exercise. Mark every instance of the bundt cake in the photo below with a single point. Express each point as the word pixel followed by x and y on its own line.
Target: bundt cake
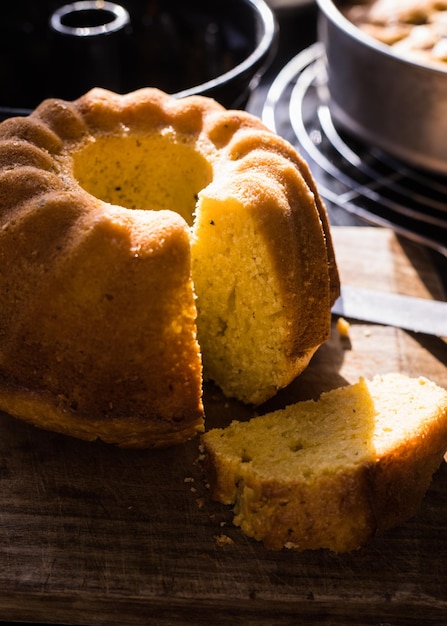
pixel 120 216
pixel 331 473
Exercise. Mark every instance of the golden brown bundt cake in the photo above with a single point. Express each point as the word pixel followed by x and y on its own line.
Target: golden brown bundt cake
pixel 120 215
pixel 332 473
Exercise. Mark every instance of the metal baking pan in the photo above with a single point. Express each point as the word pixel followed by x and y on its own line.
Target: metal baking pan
pixel 219 49
pixel 388 101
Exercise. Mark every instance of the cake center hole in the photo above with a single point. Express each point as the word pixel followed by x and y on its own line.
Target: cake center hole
pixel 143 172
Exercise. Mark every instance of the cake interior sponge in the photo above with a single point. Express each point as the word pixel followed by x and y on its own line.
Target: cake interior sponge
pixel 334 472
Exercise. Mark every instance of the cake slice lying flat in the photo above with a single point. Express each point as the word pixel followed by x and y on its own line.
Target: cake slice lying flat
pixel 331 473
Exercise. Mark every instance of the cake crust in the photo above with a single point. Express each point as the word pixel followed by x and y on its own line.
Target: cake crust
pixel 99 206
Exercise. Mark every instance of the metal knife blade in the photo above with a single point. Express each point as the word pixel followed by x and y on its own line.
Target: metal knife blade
pixel 391 309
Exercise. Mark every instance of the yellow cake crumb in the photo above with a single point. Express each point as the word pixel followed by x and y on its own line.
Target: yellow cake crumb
pixel 223 540
pixel 343 327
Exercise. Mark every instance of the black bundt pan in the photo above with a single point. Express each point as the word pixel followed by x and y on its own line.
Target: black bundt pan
pixel 218 48
pixel 391 102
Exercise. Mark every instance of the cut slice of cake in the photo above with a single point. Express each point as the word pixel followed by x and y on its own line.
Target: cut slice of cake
pixel 334 472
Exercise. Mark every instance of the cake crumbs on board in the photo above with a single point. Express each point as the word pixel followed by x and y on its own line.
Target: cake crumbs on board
pixel 343 327
pixel 223 540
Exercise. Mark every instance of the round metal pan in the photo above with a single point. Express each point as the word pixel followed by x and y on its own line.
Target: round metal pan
pixel 396 104
pixel 219 49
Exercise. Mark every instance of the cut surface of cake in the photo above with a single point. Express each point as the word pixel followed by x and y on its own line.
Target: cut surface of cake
pixel 334 472
pixel 151 241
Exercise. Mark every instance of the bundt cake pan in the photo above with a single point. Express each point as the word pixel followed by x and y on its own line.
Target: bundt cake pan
pixel 396 104
pixel 257 23
pixel 219 49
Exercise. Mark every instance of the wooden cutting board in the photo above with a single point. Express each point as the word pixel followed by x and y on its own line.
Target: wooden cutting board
pixel 90 534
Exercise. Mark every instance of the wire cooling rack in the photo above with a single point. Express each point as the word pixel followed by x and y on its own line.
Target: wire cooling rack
pixel 353 176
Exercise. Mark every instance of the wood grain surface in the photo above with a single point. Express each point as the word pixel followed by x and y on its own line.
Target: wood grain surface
pixel 91 534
